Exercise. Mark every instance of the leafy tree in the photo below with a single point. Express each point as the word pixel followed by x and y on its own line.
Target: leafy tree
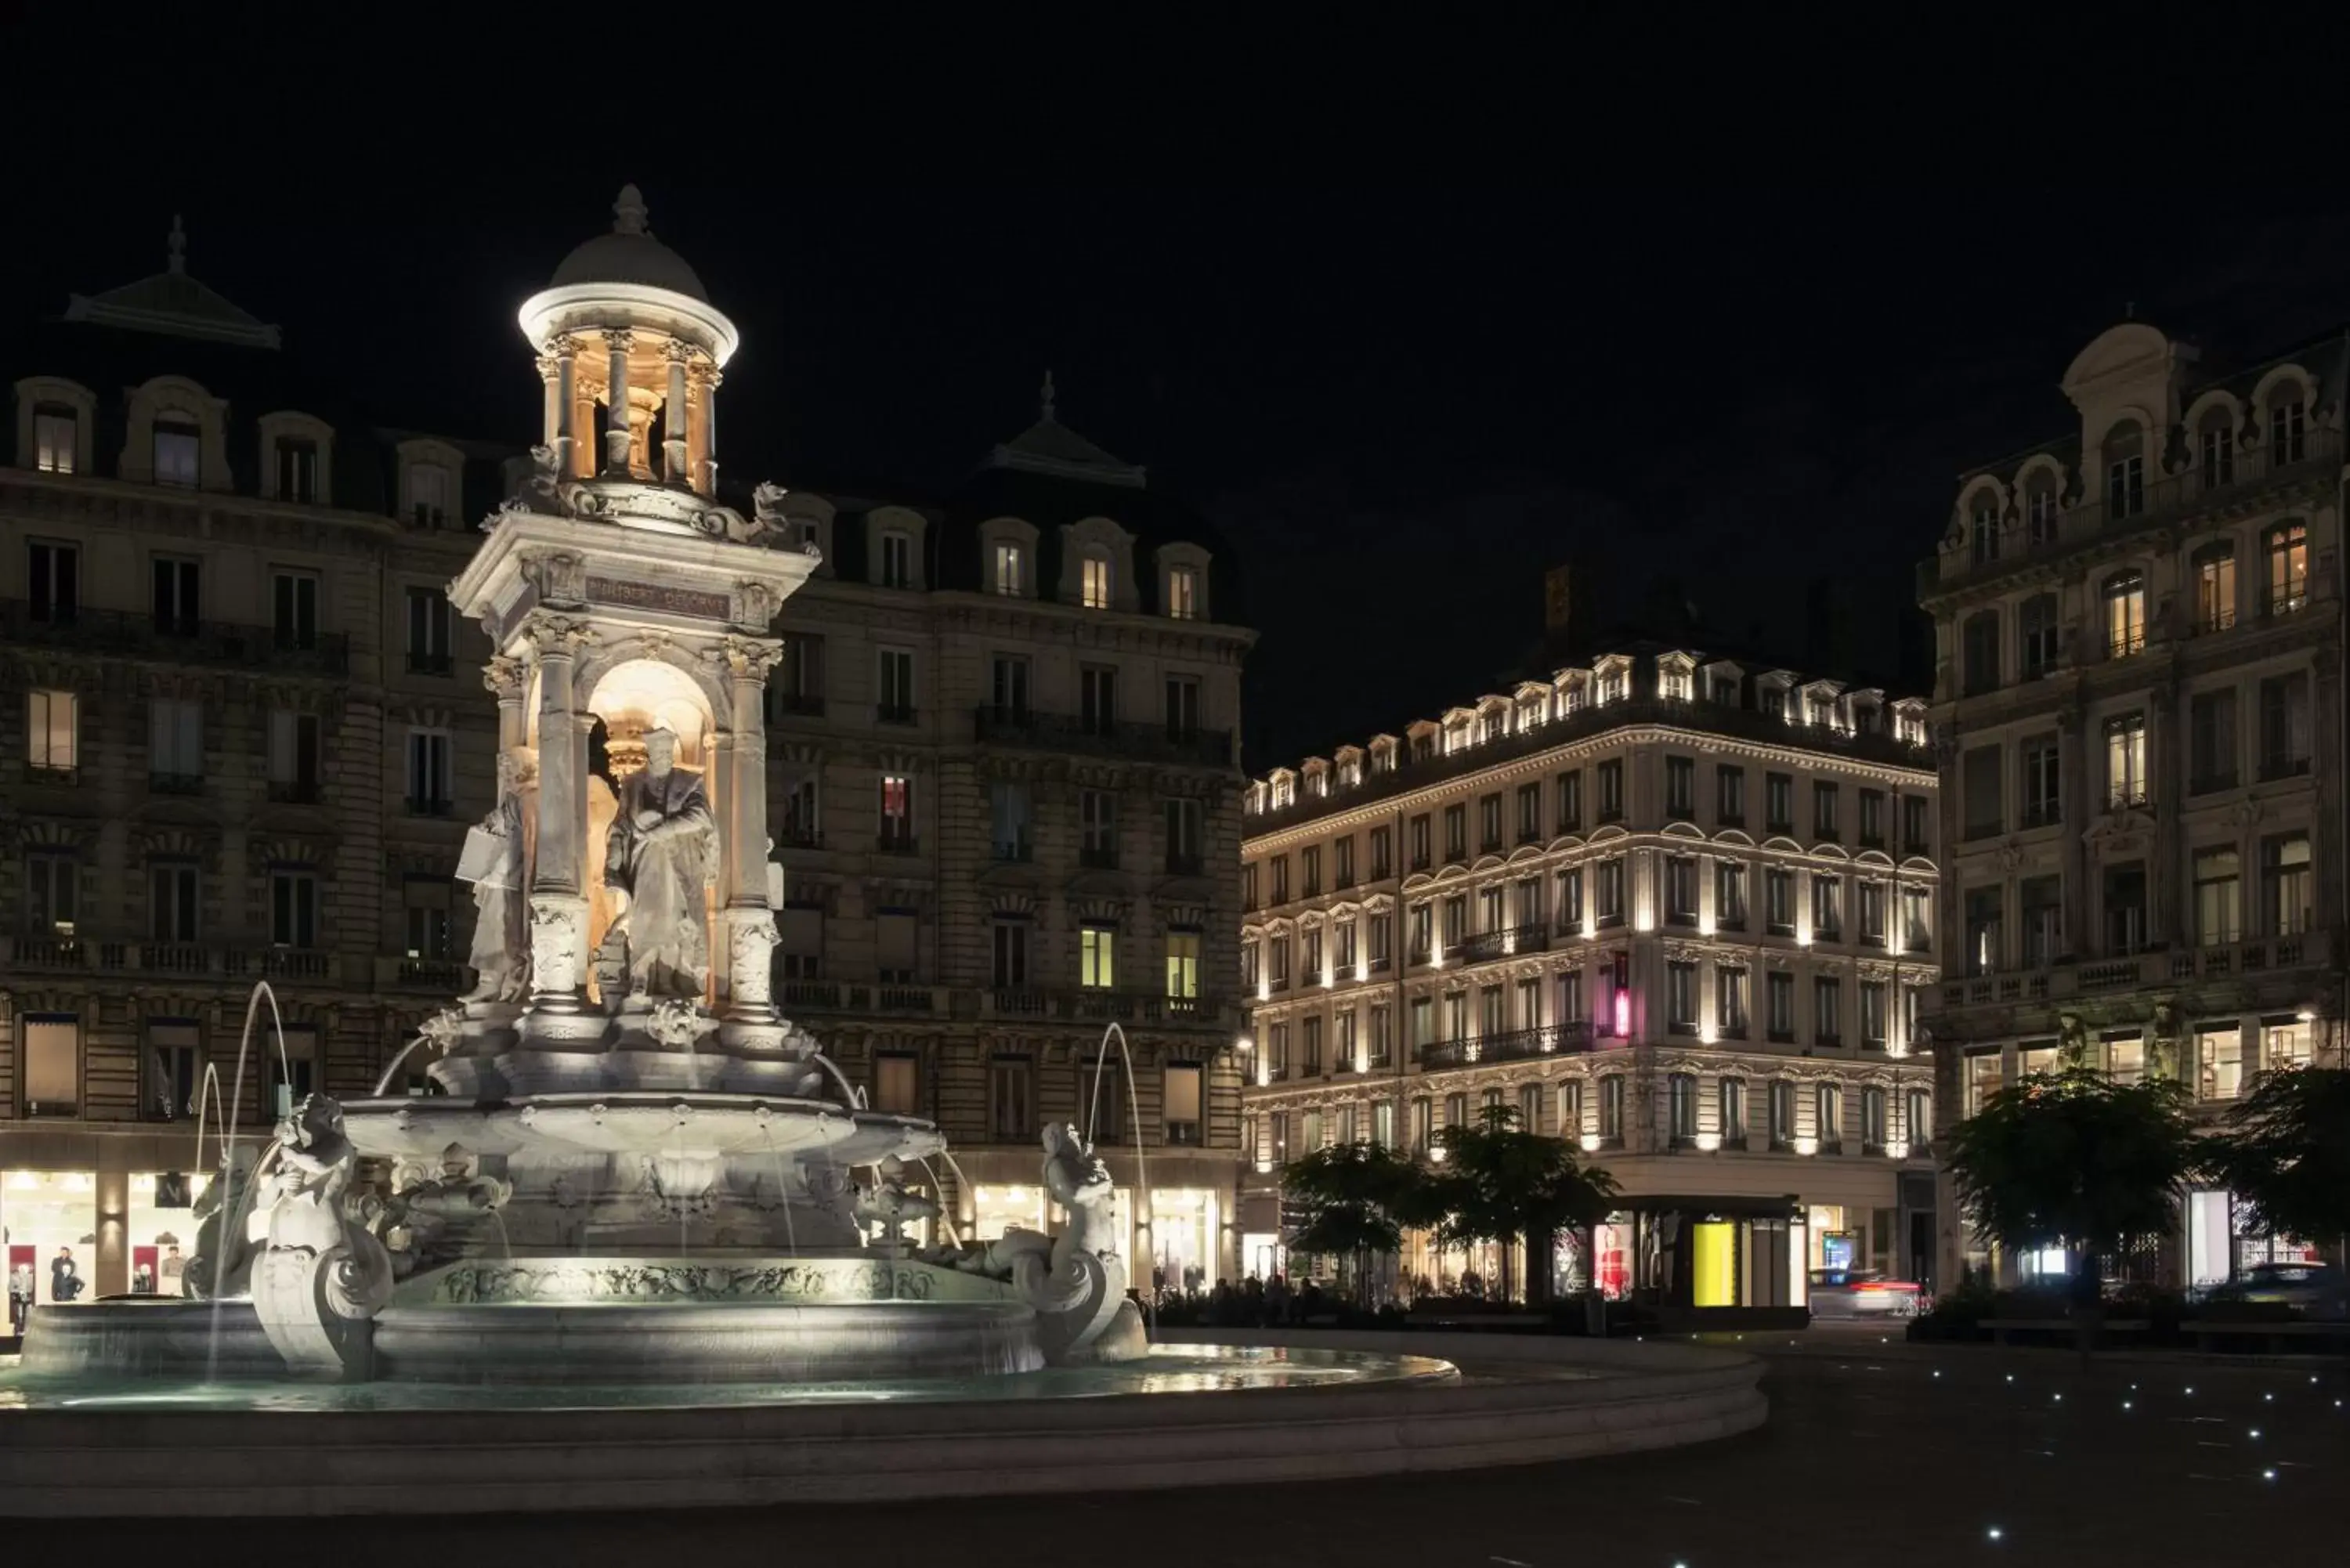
pixel 2074 1159
pixel 2285 1150
pixel 1358 1196
pixel 1497 1182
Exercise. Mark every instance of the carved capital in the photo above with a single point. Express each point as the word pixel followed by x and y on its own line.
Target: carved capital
pixel 558 636
pixel 677 351
pixel 755 604
pixel 506 679
pixel 561 346
pixel 750 659
pixel 619 340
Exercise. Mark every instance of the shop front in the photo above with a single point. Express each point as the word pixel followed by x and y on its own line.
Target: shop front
pixel 1708 1262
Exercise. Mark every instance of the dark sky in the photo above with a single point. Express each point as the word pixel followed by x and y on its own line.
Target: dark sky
pixel 1399 403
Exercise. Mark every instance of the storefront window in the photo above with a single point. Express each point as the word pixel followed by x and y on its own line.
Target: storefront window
pixel 51 1218
pixel 2284 1044
pixel 1182 1236
pixel 163 1230
pixel 995 1209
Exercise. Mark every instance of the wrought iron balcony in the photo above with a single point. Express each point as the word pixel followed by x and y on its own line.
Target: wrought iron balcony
pixel 175 640
pixel 1028 728
pixel 1517 1045
pixel 1505 942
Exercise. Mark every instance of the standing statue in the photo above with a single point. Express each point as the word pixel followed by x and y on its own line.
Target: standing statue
pixel 494 863
pixel 660 860
pixel 321 1277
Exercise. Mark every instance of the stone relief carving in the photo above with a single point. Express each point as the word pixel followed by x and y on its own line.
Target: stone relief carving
pixel 494 863
pixel 560 576
pixel 662 855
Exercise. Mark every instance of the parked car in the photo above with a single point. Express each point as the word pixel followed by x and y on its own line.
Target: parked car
pixel 1861 1292
pixel 2317 1289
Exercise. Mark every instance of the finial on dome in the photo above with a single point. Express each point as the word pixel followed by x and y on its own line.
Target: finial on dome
pixel 1047 395
pixel 629 211
pixel 177 246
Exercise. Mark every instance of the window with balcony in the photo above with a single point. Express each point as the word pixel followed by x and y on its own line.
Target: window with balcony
pixel 2218 913
pixel 1096 956
pixel 175 744
pixel 2126 910
pixel 1611 791
pixel 1570 801
pixel 2288 429
pixel 175 895
pixel 2284 726
pixel 1681 788
pixel 2124 600
pixel 2125 455
pixel 1779 803
pixel 2284 884
pixel 2125 776
pixel 2216 449
pixel 293 908
pixel 799 946
pixel 1978 653
pixel 2040 509
pixel 894 683
pixel 176 596
pixel 1780 1021
pixel 430 774
pixel 52 732
pixel 1607 894
pixel 2215 587
pixel 293 607
pixel 2042 795
pixel 1456 1015
pixel 52 894
pixel 2287 586
pixel 2212 741
pixel 52 582
pixel 429 632
pixel 1982 533
pixel 2039 636
pixel 1182 709
pixel 1985 911
pixel 424 904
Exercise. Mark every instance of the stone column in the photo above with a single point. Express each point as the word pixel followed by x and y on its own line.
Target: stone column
pixel 617 340
pixel 751 1017
pixel 559 366
pixel 675 467
pixel 705 429
pixel 508 680
pixel 558 907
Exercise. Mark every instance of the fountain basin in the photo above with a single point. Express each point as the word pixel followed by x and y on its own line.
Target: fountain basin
pixel 645 1122
pixel 627 1343
pixel 160 1336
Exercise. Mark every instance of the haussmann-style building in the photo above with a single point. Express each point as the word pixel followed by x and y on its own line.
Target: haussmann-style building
pixel 1673 905
pixel 2138 708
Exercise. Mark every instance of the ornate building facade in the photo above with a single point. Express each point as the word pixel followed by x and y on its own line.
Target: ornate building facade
pixel 1673 907
pixel 2139 705
pixel 245 734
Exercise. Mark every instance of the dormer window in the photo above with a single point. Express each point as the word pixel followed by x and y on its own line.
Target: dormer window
pixel 429 495
pixel 1673 683
pixel 897 561
pixel 2040 510
pixel 2219 447
pixel 1775 702
pixel 1010 575
pixel 1820 711
pixel 1095 583
pixel 54 430
pixel 2288 429
pixel 178 448
pixel 2126 470
pixel 1183 592
pixel 298 467
pixel 1985 532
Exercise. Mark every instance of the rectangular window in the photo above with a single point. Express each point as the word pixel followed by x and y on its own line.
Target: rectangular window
pixel 2125 904
pixel 1097 957
pixel 1779 900
pixel 1917 931
pixel 1010 577
pixel 297 469
pixel 1186 853
pixel 52 730
pixel 1570 801
pixel 1098 699
pixel 800 945
pixel 1870 895
pixel 1382 857
pixel 2285 885
pixel 1309 1035
pixel 1570 901
pixel 1873 1020
pixel 1783 1113
pixel 1611 1109
pixel 52 894
pixel 1681 788
pixel 1010 952
pixel 428 495
pixel 2219 916
pixel 175 744
pixel 1828 906
pixel 1826 813
pixel 1530 827
pixel 1010 1099
pixel 1095 583
pixel 1827 1010
pixel 2041 905
pixel 52 581
pixel 176 596
pixel 1010 827
pixel 2125 776
pixel 1984 1080
pixel 1309 867
pixel 1681 998
pixel 1732 1094
pixel 1421 858
pixel 1985 911
pixel 1730 1002
pixel 2288 576
pixel 1783 1006
pixel 428 632
pixel 2212 741
pixel 293 607
pixel 1382 1031
pixel 1609 893
pixel 52 1064
pixel 429 775
pixel 1875 1122
pixel 1730 796
pixel 1680 1097
pixel 178 453
pixel 293 756
pixel 897 813
pixel 293 908
pixel 1182 708
pixel 1183 592
pixel 797 684
pixel 895 682
pixel 2220 1063
pixel 2284 726
pixel 1872 818
pixel 1570 996
pixel 424 901
pixel 1828 1118
pixel 53 440
pixel 1915 837
pixel 1779 803
pixel 172 899
pixel 2040 794
pixel 1180 1096
pixel 895 1083
pixel 1342 855
pixel 896 560
pixel 1611 791
pixel 1680 890
pixel 1981 794
pixel 1455 832
pixel 2124 614
pixel 1097 828
pixel 1729 896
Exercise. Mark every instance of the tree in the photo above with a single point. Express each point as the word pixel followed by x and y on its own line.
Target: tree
pixel 2285 1150
pixel 1498 1183
pixel 1358 1198
pixel 2074 1159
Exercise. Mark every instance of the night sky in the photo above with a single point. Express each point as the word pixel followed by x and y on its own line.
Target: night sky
pixel 1397 405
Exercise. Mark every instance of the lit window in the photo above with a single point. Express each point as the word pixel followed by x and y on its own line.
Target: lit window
pixel 896 811
pixel 2124 614
pixel 1097 957
pixel 2215 587
pixel 1184 965
pixel 1011 579
pixel 1096 583
pixel 1183 592
pixel 2125 761
pixel 2288 566
pixel 53 440
pixel 52 730
pixel 177 446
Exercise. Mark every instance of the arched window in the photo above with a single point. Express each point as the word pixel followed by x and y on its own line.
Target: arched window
pixel 2288 427
pixel 2124 614
pixel 1980 652
pixel 2125 455
pixel 2288 574
pixel 2216 448
pixel 1982 528
pixel 2215 586
pixel 2040 508
pixel 2038 624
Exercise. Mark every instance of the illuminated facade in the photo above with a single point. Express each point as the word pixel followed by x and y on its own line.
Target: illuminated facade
pixel 1674 907
pixel 2138 706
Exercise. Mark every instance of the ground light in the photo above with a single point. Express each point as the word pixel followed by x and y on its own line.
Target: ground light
pixel 1995 1532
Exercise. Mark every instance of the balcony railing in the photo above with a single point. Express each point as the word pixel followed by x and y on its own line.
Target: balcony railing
pixel 1517 1045
pixel 173 639
pixel 1103 737
pixel 2064 980
pixel 1495 944
pixel 1088 1004
pixel 2319 454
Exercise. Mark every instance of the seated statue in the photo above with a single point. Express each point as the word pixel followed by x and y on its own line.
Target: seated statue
pixel 659 859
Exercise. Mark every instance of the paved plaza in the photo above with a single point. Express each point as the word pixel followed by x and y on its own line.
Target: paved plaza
pixel 1875 1453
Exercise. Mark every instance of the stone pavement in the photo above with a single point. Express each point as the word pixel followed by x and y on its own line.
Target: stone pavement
pixel 1914 1458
